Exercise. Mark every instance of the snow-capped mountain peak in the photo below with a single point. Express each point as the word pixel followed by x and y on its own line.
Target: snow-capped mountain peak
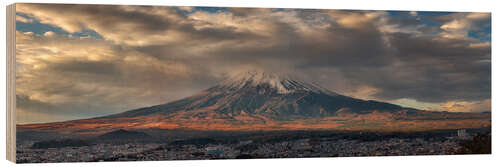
pixel 280 82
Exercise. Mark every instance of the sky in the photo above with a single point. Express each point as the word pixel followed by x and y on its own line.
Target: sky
pixel 82 61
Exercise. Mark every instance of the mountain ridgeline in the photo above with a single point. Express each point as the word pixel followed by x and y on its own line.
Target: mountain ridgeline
pixel 256 101
pixel 268 95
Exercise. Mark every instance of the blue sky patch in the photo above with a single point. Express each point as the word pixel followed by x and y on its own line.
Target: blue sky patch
pixel 40 28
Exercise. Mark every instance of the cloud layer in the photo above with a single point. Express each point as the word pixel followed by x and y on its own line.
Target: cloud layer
pixel 147 55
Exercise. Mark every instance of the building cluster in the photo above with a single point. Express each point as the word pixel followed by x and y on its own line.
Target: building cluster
pixel 462 133
pixel 25 154
pixel 308 147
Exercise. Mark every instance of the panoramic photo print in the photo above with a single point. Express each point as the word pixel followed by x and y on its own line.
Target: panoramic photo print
pixel 150 83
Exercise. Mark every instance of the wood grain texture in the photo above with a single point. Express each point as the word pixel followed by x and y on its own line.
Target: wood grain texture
pixel 11 80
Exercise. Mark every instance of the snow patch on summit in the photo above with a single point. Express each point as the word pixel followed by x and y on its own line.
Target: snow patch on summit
pixel 282 83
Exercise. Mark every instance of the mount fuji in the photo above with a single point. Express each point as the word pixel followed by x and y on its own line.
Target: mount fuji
pixel 261 101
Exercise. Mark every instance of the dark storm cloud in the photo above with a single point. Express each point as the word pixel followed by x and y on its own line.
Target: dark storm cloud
pixel 438 70
pixel 91 67
pixel 401 65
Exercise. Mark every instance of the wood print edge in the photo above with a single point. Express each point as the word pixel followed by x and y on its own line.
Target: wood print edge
pixel 11 88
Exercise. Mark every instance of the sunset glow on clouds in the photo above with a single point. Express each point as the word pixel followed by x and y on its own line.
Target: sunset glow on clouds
pixel 81 61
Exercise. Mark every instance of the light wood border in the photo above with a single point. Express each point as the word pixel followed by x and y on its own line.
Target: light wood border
pixel 11 83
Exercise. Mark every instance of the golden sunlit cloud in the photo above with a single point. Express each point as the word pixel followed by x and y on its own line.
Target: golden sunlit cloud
pixel 466 106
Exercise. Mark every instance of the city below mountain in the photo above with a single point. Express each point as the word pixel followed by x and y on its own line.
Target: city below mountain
pixel 260 101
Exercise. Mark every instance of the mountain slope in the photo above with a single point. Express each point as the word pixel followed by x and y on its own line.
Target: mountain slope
pixel 266 94
pixel 265 101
